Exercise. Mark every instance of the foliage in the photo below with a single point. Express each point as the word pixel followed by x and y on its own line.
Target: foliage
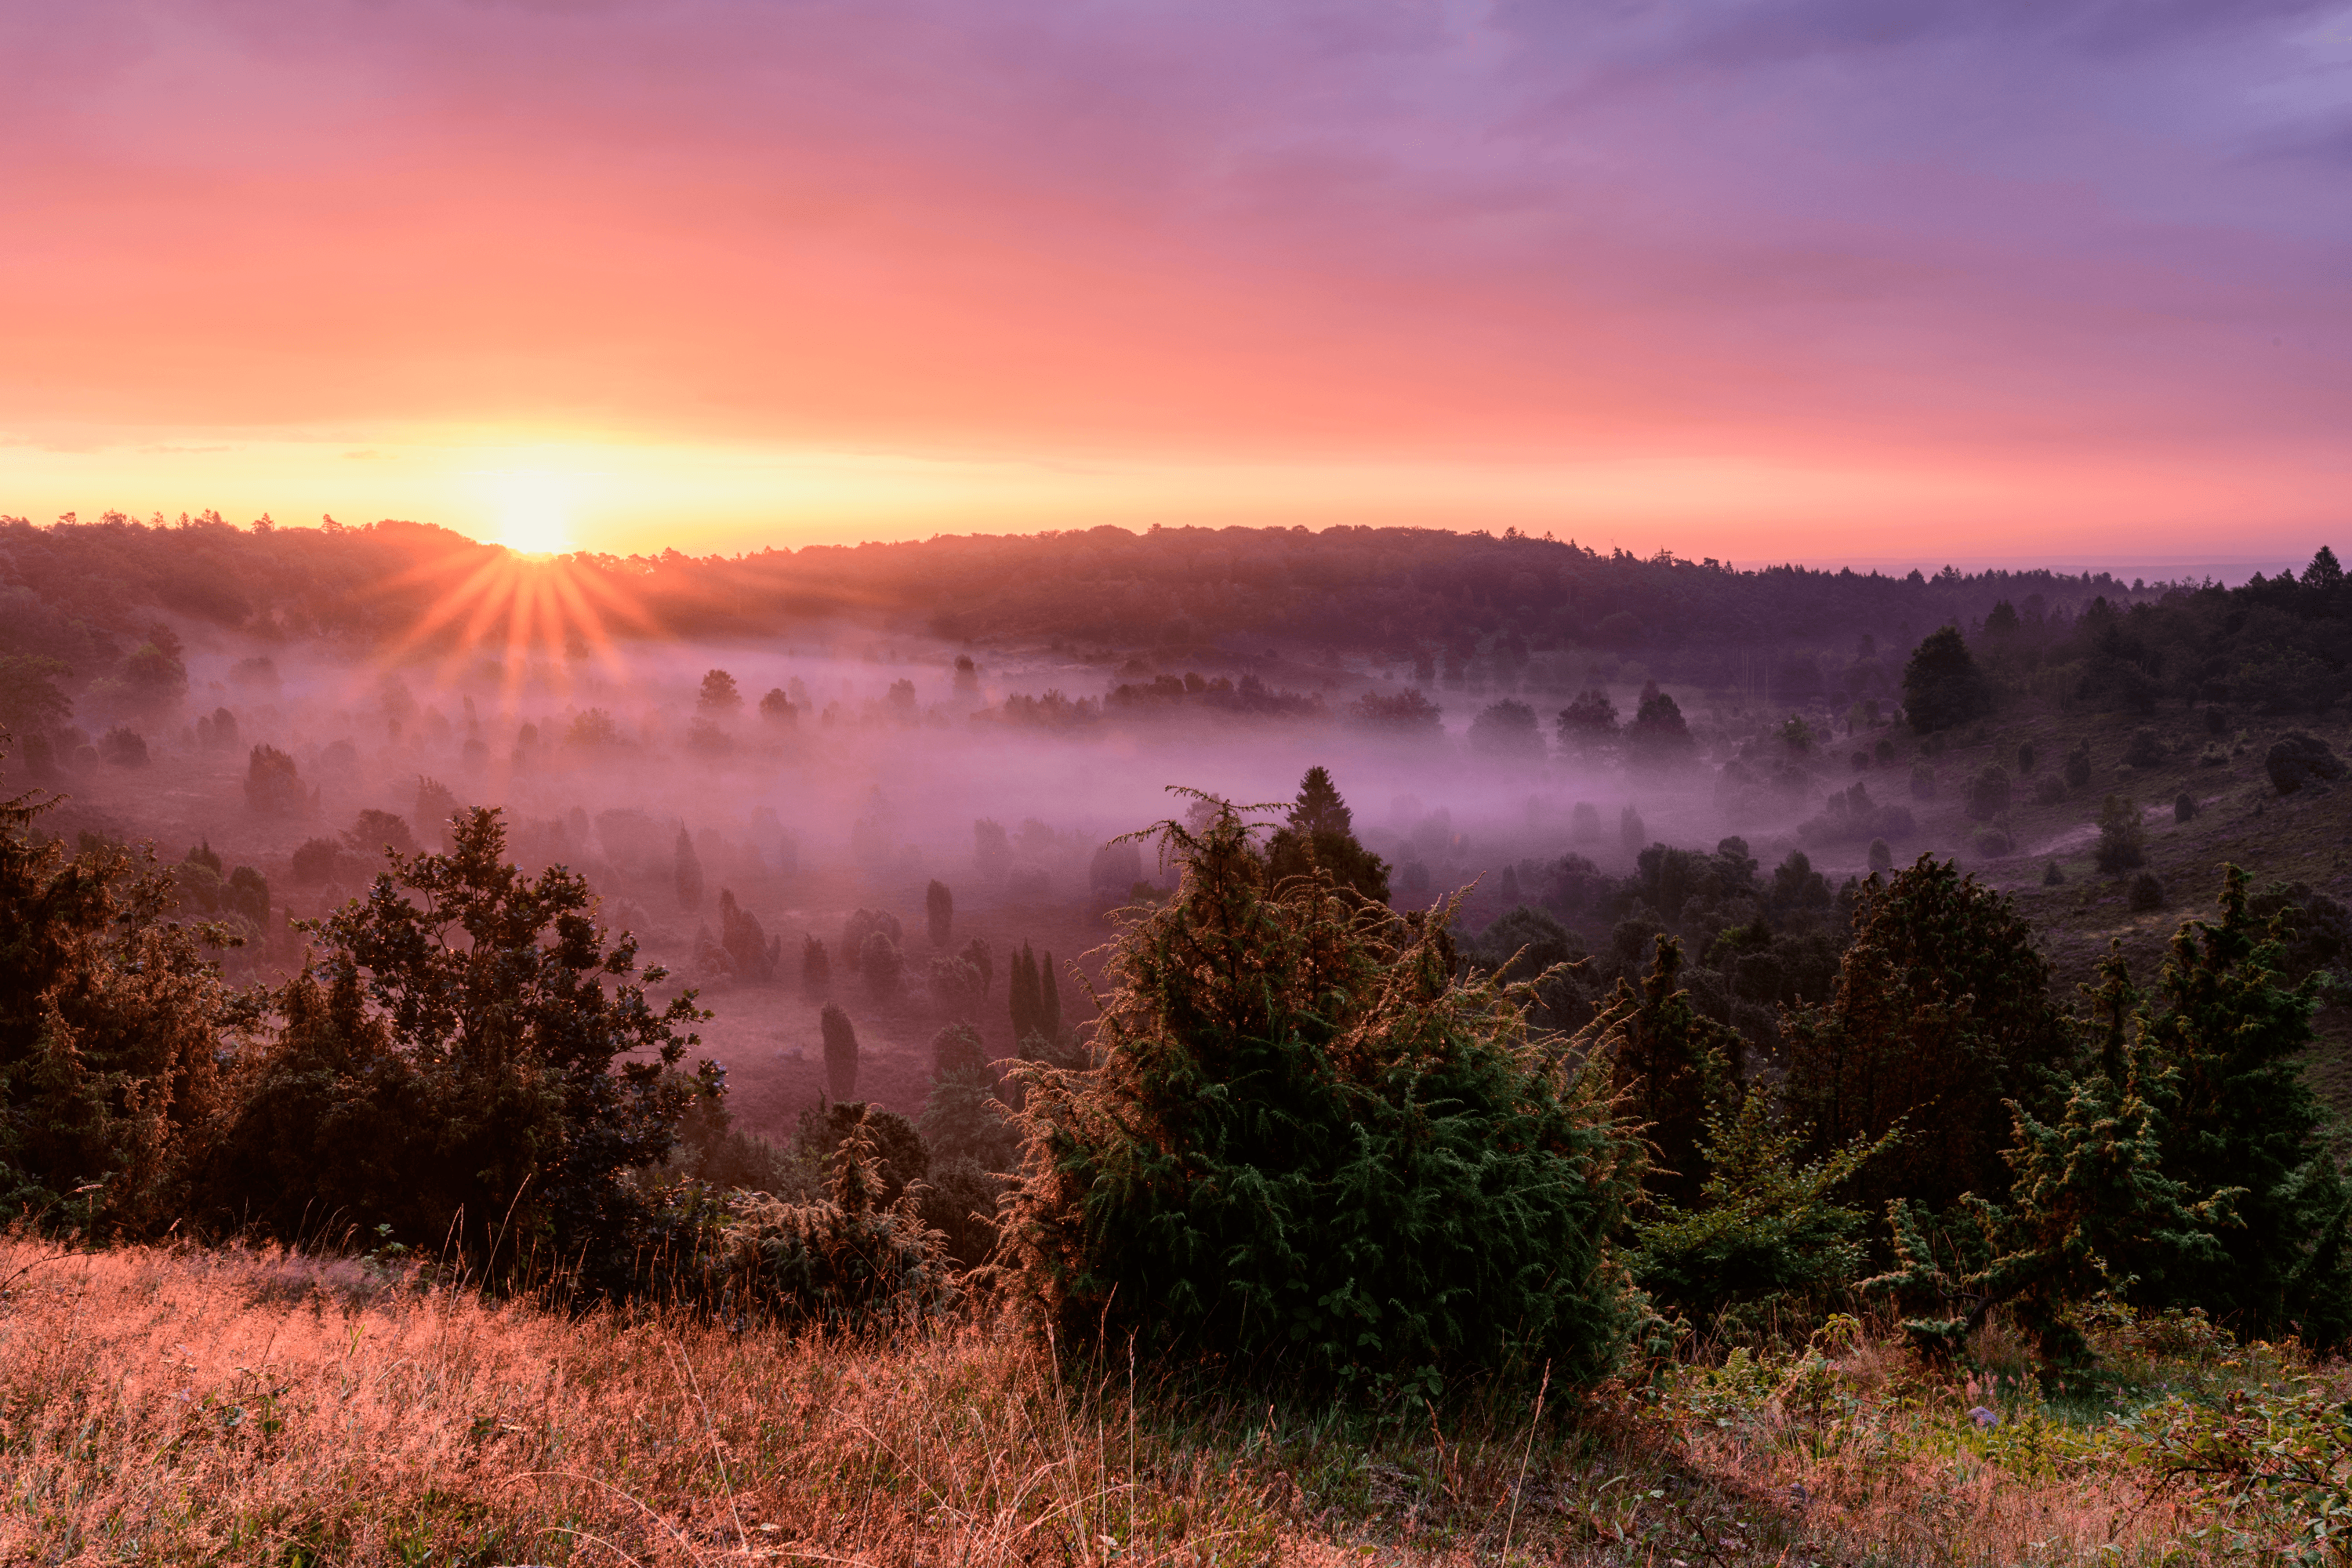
pixel 1307 1141
pixel 1671 1069
pixel 1658 739
pixel 118 1039
pixel 1762 1228
pixel 938 911
pixel 2272 1465
pixel 2298 759
pixel 2244 1115
pixel 464 1074
pixel 2123 843
pixel 754 954
pixel 1942 686
pixel 718 697
pixel 1320 832
pixel 840 1052
pixel 896 1156
pixel 1587 726
pixel 1940 1014
pixel 1506 731
pixel 687 871
pixel 272 785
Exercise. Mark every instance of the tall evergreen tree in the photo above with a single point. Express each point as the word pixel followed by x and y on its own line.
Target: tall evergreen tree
pixel 1022 990
pixel 1671 1067
pixel 840 1053
pixel 1942 685
pixel 2244 1115
pixel 1320 833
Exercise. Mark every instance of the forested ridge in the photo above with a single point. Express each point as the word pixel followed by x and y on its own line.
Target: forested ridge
pixel 1438 602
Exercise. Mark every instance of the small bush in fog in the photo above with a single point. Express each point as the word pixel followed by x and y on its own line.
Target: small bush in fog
pixel 777 709
pixel 1584 822
pixel 2078 767
pixel 1989 793
pixel 2145 749
pixel 938 911
pixel 881 964
pixel 840 1052
pixel 2121 842
pixel 124 747
pixel 816 969
pixel 272 787
pixel 1632 831
pixel 754 954
pixel 437 804
pixel 2051 790
pixel 955 986
pixel 2053 875
pixel 372 832
pixel 1923 781
pixel 2146 892
pixel 983 963
pixel 2184 807
pixel 314 862
pixel 593 729
pixel 1881 856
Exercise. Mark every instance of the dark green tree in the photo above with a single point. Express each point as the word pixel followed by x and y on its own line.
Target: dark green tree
pixel 2235 1033
pixel 1311 1148
pixel 1671 1068
pixel 1320 832
pixel 1942 685
pixel 118 1039
pixel 840 1053
pixel 1658 740
pixel 938 910
pixel 496 1055
pixel 1941 1014
pixel 719 698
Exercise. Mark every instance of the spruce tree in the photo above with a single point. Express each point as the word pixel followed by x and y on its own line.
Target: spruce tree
pixel 1021 989
pixel 1672 1067
pixel 1049 1000
pixel 2244 1115
pixel 1320 833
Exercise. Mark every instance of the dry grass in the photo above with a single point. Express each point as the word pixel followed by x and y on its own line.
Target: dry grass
pixel 243 1407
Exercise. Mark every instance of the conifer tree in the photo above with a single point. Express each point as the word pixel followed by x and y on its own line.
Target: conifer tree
pixel 1022 991
pixel 939 908
pixel 2244 1115
pixel 1320 832
pixel 840 1053
pixel 1942 685
pixel 1672 1069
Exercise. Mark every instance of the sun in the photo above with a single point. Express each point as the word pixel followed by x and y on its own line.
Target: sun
pixel 534 512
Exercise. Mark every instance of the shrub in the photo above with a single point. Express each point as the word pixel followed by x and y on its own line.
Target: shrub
pixel 816 969
pixel 464 1074
pixel 2053 875
pixel 1989 793
pixel 124 747
pixel 314 862
pixel 2299 758
pixel 2051 790
pixel 272 787
pixel 2121 839
pixel 1311 1147
pixel 840 1052
pixel 881 963
pixel 2025 757
pixel 1993 843
pixel 938 911
pixel 1942 1000
pixel 2184 807
pixel 2146 892
pixel 850 1261
pixel 1882 857
pixel 2217 723
pixel 1923 781
pixel 2145 749
pixel 898 1157
pixel 1942 685
pixel 118 1042
pixel 2078 767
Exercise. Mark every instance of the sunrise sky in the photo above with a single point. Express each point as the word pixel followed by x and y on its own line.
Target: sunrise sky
pixel 1880 281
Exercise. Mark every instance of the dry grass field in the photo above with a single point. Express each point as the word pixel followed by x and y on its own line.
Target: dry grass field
pixel 170 1406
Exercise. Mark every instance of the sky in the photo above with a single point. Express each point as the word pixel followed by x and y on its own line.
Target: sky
pixel 1854 281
